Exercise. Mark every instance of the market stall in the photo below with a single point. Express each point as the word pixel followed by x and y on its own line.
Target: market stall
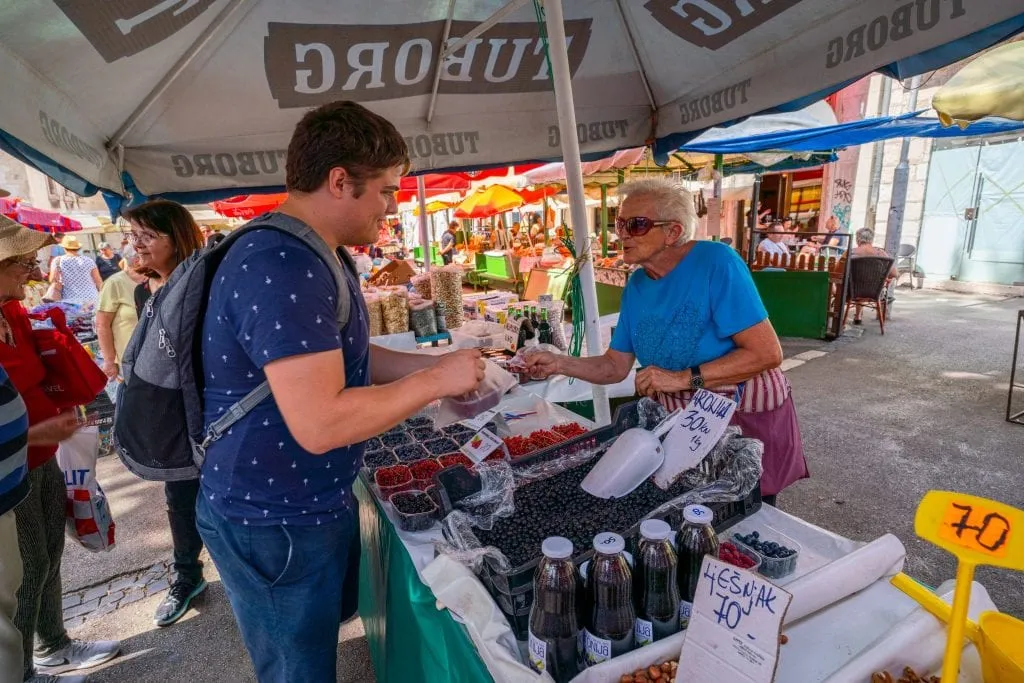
pixel 454 614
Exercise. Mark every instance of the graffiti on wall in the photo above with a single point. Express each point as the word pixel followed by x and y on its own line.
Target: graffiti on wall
pixel 842 202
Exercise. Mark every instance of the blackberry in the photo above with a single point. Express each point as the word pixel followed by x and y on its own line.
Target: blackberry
pixel 411 453
pixel 394 439
pixel 441 446
pixel 378 458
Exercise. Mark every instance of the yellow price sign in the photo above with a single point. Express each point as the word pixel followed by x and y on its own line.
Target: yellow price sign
pixel 975 529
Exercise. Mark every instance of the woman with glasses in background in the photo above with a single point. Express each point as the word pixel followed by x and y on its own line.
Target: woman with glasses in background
pixel 164 234
pixel 691 315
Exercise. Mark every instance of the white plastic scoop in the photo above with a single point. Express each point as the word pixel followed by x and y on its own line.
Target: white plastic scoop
pixel 635 456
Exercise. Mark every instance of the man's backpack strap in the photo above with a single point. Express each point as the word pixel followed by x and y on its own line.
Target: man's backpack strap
pixel 235 413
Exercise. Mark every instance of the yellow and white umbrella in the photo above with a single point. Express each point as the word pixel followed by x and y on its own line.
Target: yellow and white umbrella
pixel 991 85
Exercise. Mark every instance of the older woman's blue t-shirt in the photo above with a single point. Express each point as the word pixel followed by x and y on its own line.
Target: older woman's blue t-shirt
pixel 689 316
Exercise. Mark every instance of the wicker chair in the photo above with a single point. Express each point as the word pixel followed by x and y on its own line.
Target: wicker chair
pixel 866 286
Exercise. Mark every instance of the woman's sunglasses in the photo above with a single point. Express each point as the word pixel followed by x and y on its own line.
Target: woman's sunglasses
pixel 638 226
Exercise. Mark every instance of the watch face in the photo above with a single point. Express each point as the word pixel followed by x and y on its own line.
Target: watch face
pixel 697 382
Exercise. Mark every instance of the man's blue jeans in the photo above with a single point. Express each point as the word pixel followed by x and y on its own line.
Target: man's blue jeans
pixel 287 586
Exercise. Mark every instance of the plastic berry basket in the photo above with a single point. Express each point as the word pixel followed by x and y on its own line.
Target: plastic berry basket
pixel 422 434
pixel 418 421
pixel 744 550
pixel 415 510
pixel 392 480
pixel 771 567
pixel 374 460
pixel 453 459
pixel 440 446
pixel 373 444
pixel 411 453
pixel 423 472
pixel 395 439
pixel 459 432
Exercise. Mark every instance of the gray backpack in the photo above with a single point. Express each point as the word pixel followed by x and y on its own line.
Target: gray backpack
pixel 158 421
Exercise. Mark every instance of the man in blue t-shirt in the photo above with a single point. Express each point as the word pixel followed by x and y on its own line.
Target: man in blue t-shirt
pixel 275 508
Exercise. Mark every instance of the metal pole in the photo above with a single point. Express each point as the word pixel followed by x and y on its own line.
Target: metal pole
pixel 756 203
pixel 421 196
pixel 877 152
pixel 900 181
pixel 559 56
pixel 604 221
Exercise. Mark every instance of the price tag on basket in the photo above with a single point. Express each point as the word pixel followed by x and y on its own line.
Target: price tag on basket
pixel 735 625
pixel 698 428
pixel 482 444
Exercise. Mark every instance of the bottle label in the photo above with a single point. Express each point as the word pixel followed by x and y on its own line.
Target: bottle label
pixel 597 649
pixel 538 653
pixel 644 632
pixel 685 610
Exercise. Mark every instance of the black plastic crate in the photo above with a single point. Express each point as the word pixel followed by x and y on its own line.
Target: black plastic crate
pixel 520 622
pixel 519 579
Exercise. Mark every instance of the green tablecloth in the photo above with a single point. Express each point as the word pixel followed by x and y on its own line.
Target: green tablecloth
pixel 410 639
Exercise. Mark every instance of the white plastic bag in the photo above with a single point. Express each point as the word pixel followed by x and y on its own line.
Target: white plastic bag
pixel 89 521
pixel 496 383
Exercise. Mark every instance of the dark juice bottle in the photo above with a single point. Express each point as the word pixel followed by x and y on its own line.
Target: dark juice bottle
pixel 657 606
pixel 544 329
pixel 554 619
pixel 611 619
pixel 696 539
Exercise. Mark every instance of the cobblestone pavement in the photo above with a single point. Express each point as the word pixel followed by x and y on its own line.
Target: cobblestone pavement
pixel 102 599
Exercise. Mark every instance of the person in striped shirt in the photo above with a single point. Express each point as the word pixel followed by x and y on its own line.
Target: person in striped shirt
pixel 13 489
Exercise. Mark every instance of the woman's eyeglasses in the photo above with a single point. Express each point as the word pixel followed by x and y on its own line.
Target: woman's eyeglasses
pixel 638 226
pixel 141 237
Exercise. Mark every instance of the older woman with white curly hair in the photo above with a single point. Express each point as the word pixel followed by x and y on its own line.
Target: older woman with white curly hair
pixel 693 318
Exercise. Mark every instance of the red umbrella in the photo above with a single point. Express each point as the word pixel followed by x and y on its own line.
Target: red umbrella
pixel 47 221
pixel 249 205
pixel 9 206
pixel 434 183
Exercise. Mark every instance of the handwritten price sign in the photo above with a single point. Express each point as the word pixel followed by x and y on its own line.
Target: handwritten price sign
pixel 735 626
pixel 698 428
pixel 512 334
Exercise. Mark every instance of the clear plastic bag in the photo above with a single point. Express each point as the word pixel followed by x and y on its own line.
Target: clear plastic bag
pixel 496 383
pixel 518 362
pixel 421 317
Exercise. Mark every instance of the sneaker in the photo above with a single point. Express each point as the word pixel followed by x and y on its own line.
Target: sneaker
pixel 47 678
pixel 176 603
pixel 79 654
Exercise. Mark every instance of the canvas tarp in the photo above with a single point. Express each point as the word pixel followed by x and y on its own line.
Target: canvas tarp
pixel 188 96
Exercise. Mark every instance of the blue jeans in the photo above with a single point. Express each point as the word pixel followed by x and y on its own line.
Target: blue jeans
pixel 288 589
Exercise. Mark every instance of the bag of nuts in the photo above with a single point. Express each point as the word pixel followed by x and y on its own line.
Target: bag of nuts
pixel 375 314
pixel 446 287
pixel 395 310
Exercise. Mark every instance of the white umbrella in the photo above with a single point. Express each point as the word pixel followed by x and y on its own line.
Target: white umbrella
pixel 191 96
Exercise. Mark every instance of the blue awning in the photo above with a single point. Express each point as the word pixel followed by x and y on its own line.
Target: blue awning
pixel 827 138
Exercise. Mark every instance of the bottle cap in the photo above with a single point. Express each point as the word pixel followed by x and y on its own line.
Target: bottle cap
pixel 698 514
pixel 655 530
pixel 556 547
pixel 608 543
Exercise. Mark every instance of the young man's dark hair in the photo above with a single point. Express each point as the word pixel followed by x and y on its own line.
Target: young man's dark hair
pixel 342 134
